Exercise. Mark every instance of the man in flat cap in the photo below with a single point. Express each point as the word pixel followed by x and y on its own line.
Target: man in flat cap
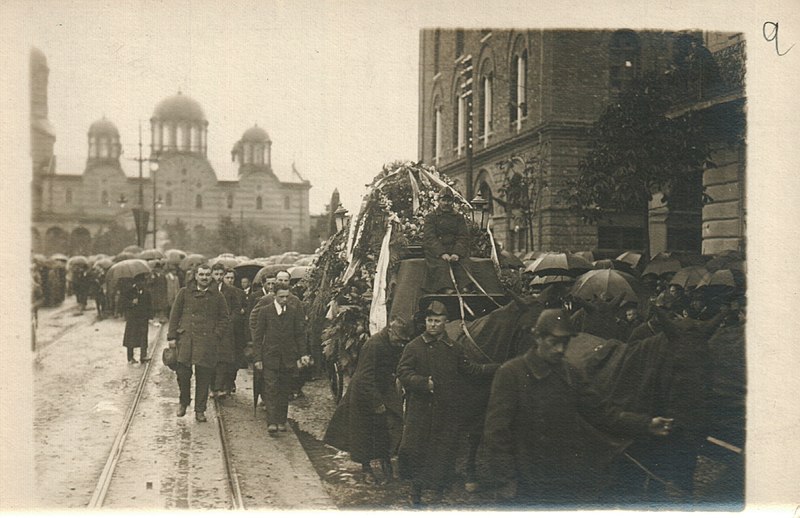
pixel 445 241
pixel 541 445
pixel 430 369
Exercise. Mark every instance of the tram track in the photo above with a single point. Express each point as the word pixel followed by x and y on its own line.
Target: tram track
pixel 184 445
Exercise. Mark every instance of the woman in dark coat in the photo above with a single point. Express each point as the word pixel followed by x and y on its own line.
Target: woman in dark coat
pixel 138 302
pixel 368 422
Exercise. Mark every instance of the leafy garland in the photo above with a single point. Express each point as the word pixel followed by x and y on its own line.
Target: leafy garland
pixel 339 311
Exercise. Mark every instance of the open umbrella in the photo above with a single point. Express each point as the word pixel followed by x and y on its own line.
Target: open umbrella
pixel 127 269
pixel 509 260
pixel 133 249
pixel 270 270
pixel 298 272
pixel 727 260
pixel 305 261
pixel 104 263
pixel 124 256
pixel 242 258
pixel 717 278
pixel 192 260
pixel 247 269
pixel 605 284
pixel 77 260
pixel 227 254
pixel 227 262
pixel 660 266
pixel 543 280
pixel 559 264
pixel 59 257
pixel 634 259
pixel 689 277
pixel 586 254
pixel 152 253
pixel 175 256
pixel 39 258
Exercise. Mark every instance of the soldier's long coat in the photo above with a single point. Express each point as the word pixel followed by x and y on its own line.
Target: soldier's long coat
pixel 197 322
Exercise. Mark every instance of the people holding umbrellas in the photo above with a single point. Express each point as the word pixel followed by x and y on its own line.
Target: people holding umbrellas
pixel 139 310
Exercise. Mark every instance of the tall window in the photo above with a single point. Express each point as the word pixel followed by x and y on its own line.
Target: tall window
pixel 169 199
pixel 437 36
pixel 459 42
pixel 461 124
pixel 287 202
pixel 198 202
pixel 437 134
pixel 624 59
pixel 485 108
pixel 230 200
pixel 259 203
pixel 518 107
pixel 68 197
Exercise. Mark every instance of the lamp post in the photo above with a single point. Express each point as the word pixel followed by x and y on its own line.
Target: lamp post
pixel 156 201
pixel 479 205
pixel 340 216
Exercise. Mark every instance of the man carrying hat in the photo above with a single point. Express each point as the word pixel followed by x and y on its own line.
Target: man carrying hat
pixel 369 420
pixel 431 370
pixel 445 242
pixel 537 431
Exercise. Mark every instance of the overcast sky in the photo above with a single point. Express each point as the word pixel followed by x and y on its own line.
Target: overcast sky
pixel 337 95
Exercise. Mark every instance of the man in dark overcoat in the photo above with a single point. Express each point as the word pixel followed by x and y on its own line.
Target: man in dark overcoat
pixel 445 242
pixel 197 323
pixel 237 305
pixel 541 446
pixel 279 342
pixel 368 421
pixel 226 352
pixel 431 370
pixel 139 311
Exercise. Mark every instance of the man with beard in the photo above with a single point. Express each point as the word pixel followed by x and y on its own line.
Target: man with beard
pixel 431 370
pixel 197 324
pixel 445 243
pixel 540 445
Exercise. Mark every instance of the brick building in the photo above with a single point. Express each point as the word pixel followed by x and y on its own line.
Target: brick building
pixel 538 93
pixel 70 208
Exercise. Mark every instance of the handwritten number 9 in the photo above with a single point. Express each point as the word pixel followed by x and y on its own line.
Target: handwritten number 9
pixel 773 36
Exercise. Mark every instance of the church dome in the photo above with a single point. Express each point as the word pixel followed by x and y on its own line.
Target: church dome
pixel 255 134
pixel 104 127
pixel 179 107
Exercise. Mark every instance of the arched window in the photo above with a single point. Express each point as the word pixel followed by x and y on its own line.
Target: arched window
pixel 259 203
pixel 518 107
pixel 459 121
pixel 104 198
pixel 437 37
pixel 230 200
pixel 287 202
pixel 180 131
pixel 437 134
pixel 68 197
pixel 169 199
pixel 92 146
pixel 198 202
pixel 485 114
pixel 624 59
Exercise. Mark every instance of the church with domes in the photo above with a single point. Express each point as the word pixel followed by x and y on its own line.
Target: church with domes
pixel 71 208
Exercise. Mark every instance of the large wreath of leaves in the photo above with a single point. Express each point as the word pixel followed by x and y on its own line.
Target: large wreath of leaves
pixel 338 311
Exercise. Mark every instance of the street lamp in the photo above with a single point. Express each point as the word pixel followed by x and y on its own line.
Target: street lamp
pixel 479 205
pixel 122 201
pixel 340 216
pixel 156 202
pixel 140 216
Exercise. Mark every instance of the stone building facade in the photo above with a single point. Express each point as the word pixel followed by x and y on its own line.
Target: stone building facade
pixel 69 210
pixel 538 93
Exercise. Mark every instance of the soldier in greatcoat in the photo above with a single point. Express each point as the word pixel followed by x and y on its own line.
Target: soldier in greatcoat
pixel 138 312
pixel 432 370
pixel 445 242
pixel 197 324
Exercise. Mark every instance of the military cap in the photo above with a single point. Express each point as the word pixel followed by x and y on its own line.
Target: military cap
pixel 436 308
pixel 554 322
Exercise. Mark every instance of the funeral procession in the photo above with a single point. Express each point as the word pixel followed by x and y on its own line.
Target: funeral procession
pixel 519 282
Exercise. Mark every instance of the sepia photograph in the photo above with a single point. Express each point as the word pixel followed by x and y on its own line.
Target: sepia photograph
pixel 442 256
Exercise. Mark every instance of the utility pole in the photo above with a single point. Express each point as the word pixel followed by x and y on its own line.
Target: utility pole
pixel 466 94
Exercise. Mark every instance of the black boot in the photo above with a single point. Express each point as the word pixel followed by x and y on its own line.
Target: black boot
pixel 388 471
pixel 416 494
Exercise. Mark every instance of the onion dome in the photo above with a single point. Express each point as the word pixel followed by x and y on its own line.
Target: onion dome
pixel 104 127
pixel 255 134
pixel 179 107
